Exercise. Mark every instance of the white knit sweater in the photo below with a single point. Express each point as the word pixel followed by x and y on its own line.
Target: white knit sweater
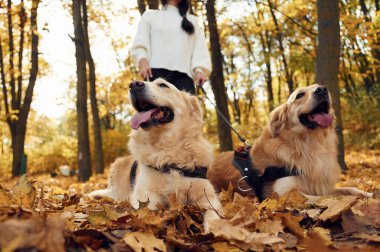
pixel 162 41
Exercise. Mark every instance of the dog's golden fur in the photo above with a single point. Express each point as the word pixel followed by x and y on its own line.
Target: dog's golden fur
pixel 286 142
pixel 178 142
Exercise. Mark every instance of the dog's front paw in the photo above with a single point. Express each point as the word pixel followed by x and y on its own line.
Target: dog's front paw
pixel 209 218
pixel 367 194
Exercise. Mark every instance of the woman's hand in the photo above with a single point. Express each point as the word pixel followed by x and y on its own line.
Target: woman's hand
pixel 200 78
pixel 145 70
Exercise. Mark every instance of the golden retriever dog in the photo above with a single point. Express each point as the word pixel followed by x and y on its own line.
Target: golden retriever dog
pixel 300 137
pixel 169 148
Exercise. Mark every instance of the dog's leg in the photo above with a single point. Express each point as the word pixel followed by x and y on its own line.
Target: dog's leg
pixel 284 185
pixel 138 196
pixel 352 191
pixel 209 201
pixel 100 194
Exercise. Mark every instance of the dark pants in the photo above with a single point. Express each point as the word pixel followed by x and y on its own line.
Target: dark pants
pixel 181 80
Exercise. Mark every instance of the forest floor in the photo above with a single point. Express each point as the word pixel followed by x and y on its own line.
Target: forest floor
pixel 53 214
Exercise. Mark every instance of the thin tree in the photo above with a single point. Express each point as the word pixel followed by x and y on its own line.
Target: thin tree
pixel 84 157
pixel 327 66
pixel 99 160
pixel 217 78
pixel 266 44
pixel 16 102
pixel 287 70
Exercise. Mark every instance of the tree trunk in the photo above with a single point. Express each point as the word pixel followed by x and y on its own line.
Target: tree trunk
pixel 20 53
pixel 84 157
pixel 99 160
pixel 17 125
pixel 11 56
pixel 266 45
pixel 288 75
pixel 375 46
pixel 327 66
pixel 3 82
pixel 217 79
pixel 24 111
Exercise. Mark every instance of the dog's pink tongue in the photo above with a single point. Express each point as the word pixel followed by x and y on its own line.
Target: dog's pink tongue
pixel 142 117
pixel 323 119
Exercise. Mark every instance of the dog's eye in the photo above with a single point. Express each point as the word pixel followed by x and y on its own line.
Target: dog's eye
pixel 163 85
pixel 300 95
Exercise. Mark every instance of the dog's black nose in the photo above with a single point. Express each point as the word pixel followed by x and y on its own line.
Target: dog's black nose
pixel 321 91
pixel 136 85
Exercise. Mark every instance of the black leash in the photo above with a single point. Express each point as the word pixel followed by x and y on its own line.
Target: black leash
pixel 242 139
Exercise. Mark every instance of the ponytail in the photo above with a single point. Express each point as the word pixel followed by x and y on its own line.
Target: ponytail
pixel 183 7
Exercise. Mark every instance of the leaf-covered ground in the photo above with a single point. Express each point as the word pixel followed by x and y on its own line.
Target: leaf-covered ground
pixel 52 214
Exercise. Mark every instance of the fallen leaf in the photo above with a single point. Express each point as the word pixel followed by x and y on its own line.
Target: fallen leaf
pixel 268 204
pixel 4 197
pixel 224 247
pixel 56 190
pixel 292 223
pixel 270 226
pixel 143 241
pixel 290 240
pixel 324 234
pixel 24 193
pixel 316 244
pixel 372 238
pixel 43 234
pixel 223 228
pixel 370 209
pixel 335 206
pixel 312 213
pixel 92 238
pixel 355 223
pixel 292 199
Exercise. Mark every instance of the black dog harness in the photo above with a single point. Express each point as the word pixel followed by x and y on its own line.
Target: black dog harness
pixel 197 172
pixel 242 161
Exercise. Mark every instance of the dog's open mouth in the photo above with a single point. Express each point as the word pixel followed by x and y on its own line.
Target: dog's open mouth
pixel 319 117
pixel 149 114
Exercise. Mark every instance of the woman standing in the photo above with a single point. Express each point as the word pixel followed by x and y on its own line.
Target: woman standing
pixel 169 44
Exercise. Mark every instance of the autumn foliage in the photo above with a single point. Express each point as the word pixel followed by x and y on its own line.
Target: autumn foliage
pixel 54 214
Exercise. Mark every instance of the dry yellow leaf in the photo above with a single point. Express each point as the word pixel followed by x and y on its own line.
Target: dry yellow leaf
pixel 24 193
pixel 4 197
pixel 292 199
pixel 335 206
pixel 143 241
pixel 324 234
pixel 269 204
pixel 372 238
pixel 270 226
pixel 223 228
pixel 292 223
pixel 224 247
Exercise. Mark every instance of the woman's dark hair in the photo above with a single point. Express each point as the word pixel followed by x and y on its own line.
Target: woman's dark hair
pixel 183 7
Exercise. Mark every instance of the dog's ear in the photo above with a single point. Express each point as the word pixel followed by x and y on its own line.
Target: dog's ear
pixel 195 108
pixel 278 119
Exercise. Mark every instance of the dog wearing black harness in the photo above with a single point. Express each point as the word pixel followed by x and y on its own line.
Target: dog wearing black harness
pixel 297 150
pixel 169 154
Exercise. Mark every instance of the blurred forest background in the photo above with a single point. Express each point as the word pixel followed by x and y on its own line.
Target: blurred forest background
pixel 261 49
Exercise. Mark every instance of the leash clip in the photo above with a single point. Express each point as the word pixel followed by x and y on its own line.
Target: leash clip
pixel 241 189
pixel 247 145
